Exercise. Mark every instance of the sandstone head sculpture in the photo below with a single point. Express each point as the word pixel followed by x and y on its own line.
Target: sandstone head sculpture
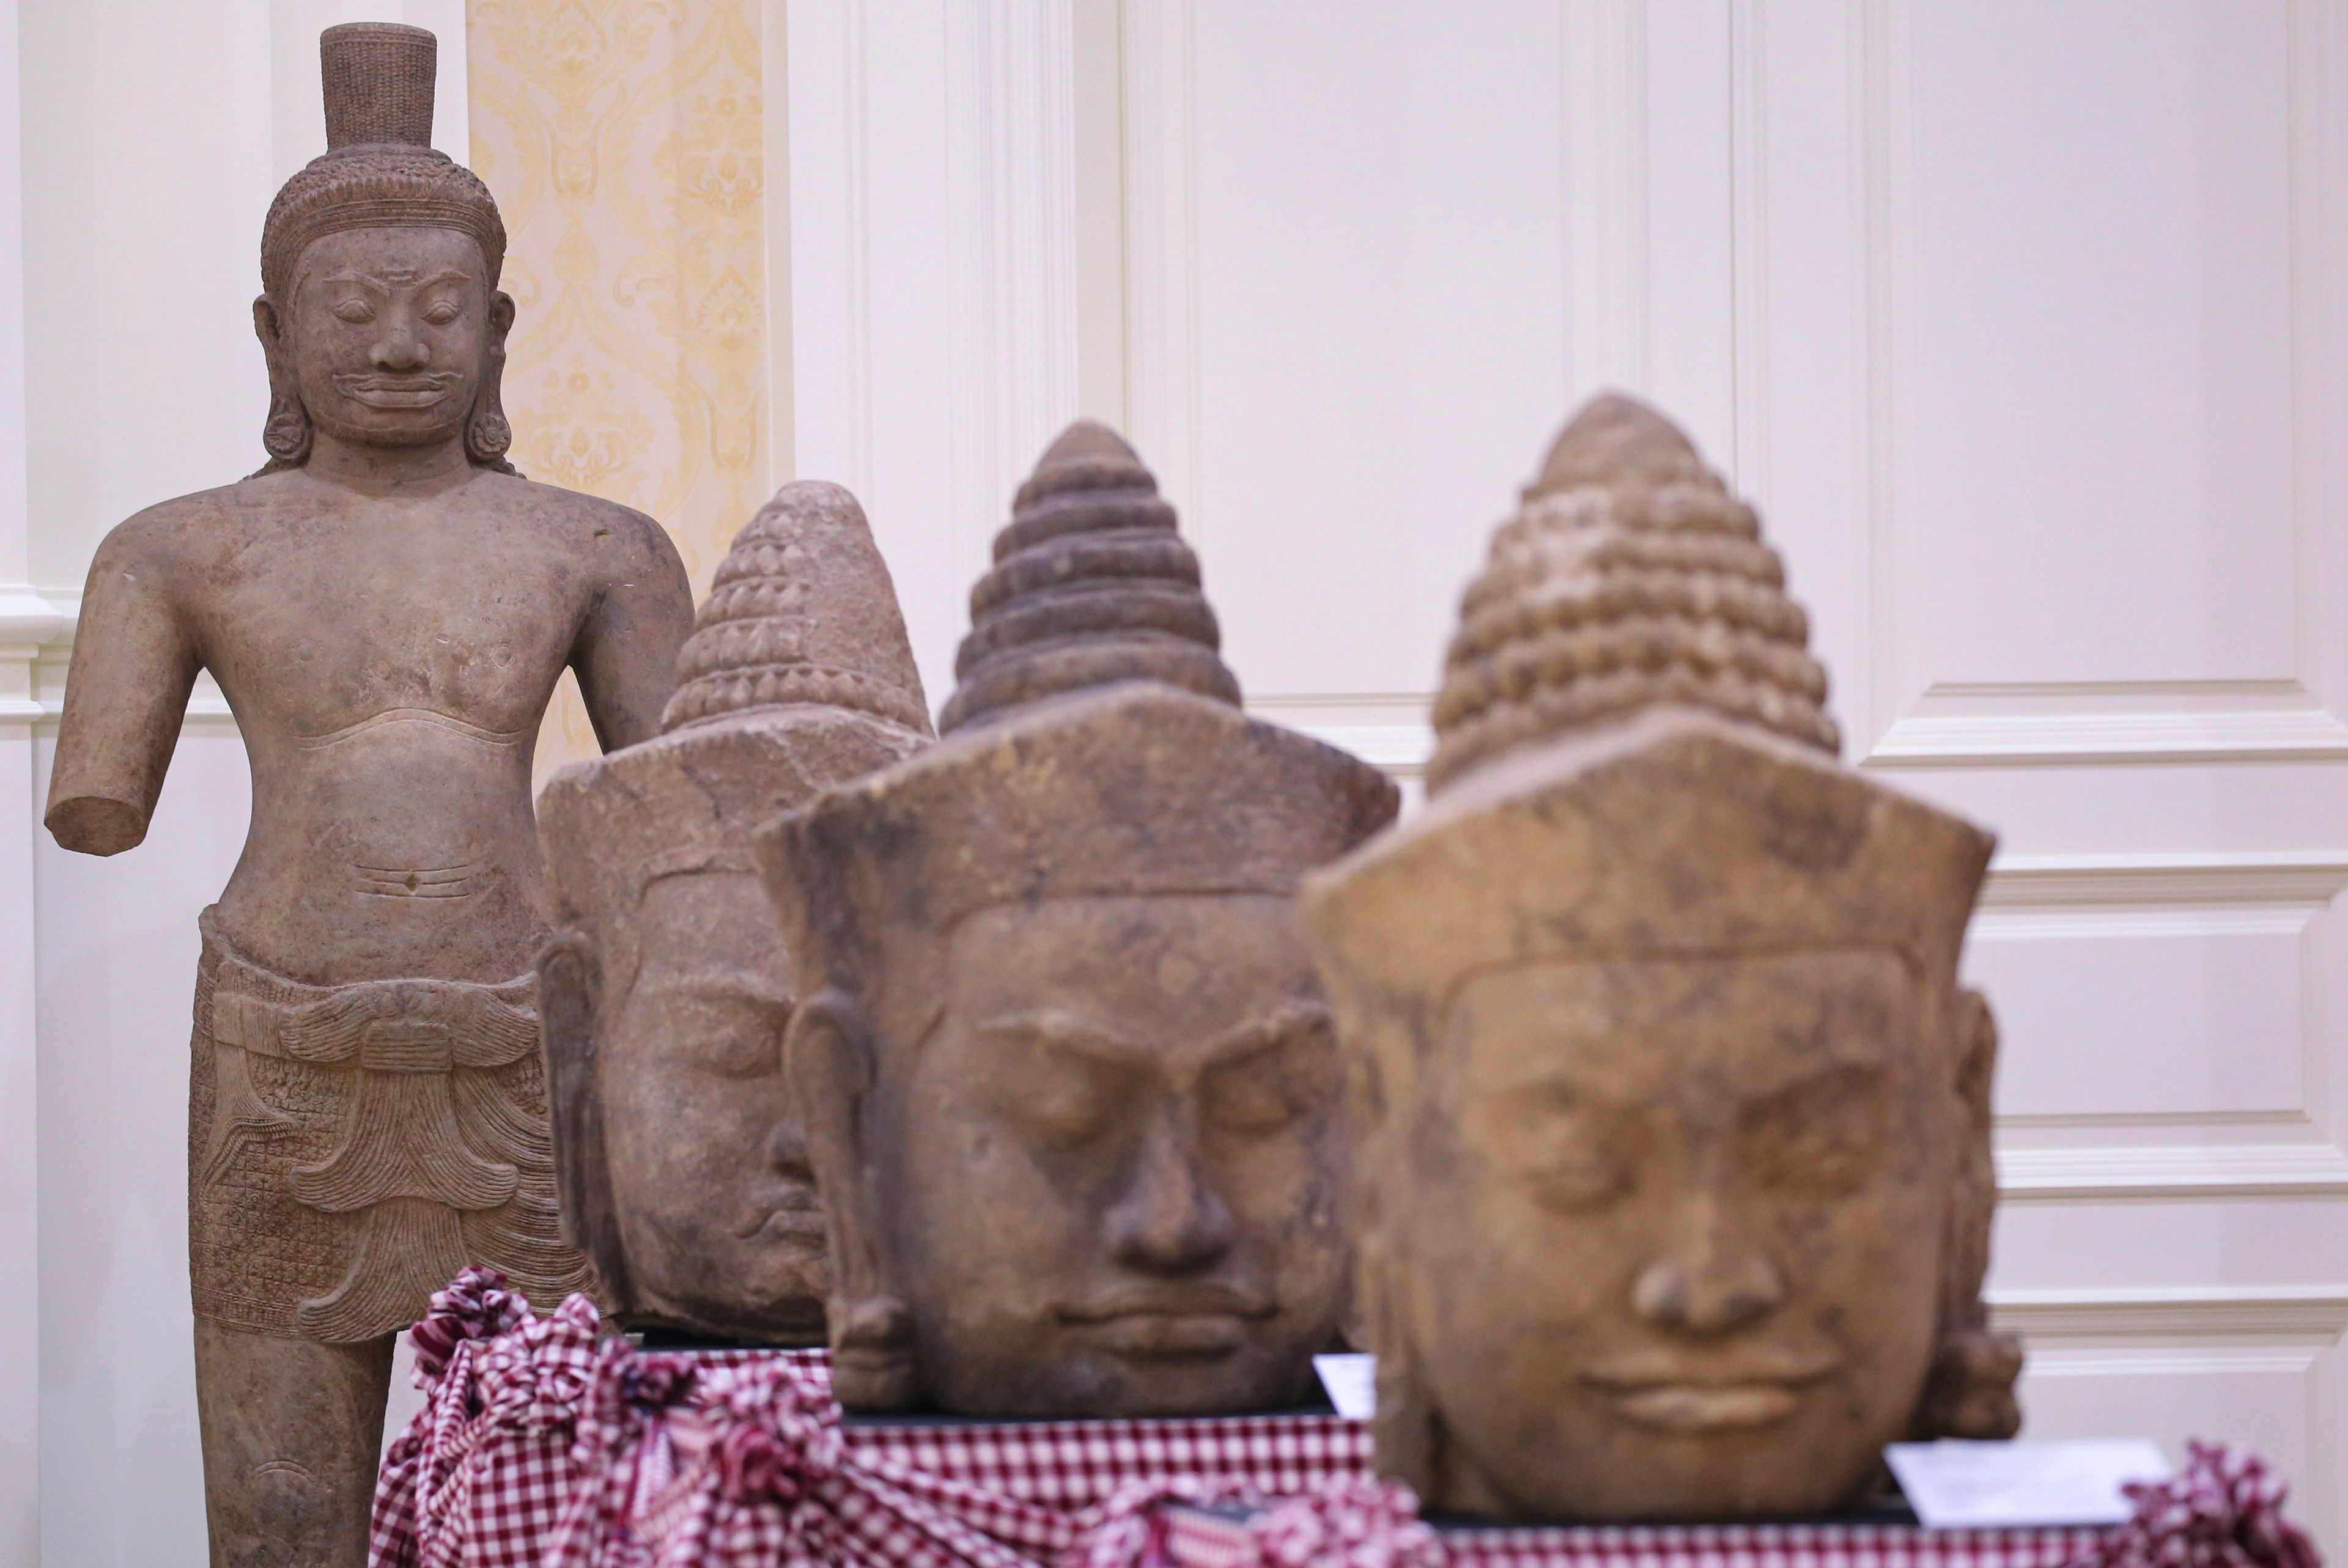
pixel 666 990
pixel 1675 1189
pixel 1070 1086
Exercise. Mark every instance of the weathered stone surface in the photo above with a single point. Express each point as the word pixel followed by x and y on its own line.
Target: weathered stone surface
pixel 1675 1187
pixel 1070 1088
pixel 666 990
pixel 387 606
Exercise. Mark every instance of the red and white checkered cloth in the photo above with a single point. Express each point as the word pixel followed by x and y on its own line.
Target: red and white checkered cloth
pixel 543 1446
pixel 480 1475
pixel 540 1446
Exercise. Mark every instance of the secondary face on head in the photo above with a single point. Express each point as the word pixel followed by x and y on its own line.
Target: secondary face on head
pixel 1675 1230
pixel 387 332
pixel 715 1206
pixel 1118 1187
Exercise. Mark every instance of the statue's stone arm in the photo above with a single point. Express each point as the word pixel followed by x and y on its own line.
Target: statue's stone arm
pixel 125 694
pixel 625 655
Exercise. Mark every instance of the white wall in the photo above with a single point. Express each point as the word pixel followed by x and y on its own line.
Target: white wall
pixel 2021 320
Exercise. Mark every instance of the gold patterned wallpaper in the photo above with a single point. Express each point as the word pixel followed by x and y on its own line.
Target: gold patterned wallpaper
pixel 624 140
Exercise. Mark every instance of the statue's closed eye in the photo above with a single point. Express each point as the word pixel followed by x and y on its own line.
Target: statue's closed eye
pixel 1056 1081
pixel 1573 1152
pixel 1293 1073
pixel 1826 1133
pixel 354 308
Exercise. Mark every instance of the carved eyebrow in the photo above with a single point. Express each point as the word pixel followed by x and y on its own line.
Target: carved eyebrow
pixel 1261 1033
pixel 1066 1032
pixel 384 286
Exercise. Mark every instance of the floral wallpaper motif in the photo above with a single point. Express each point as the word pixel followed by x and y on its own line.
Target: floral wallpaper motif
pixel 624 140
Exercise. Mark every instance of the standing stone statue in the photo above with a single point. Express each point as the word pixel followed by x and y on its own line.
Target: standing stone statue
pixel 682 1159
pixel 1071 1092
pixel 1675 1173
pixel 386 606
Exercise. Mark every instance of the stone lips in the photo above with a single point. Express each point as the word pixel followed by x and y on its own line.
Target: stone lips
pixel 1090 584
pixel 1630 576
pixel 802 610
pixel 1137 788
pixel 1678 833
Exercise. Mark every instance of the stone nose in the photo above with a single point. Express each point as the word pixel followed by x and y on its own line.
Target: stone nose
pixel 1171 1220
pixel 400 349
pixel 1708 1283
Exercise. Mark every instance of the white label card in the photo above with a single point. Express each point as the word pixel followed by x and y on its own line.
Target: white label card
pixel 1352 1382
pixel 1959 1485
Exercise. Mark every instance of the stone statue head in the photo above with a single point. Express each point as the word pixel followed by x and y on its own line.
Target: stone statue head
pixel 665 991
pixel 379 309
pixel 1071 1091
pixel 1673 1120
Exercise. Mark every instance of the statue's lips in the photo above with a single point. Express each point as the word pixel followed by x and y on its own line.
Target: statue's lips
pixel 1204 1320
pixel 397 391
pixel 1680 1399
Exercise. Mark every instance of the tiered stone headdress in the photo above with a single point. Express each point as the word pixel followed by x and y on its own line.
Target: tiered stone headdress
pixel 798 676
pixel 1094 746
pixel 1629 578
pixel 379 170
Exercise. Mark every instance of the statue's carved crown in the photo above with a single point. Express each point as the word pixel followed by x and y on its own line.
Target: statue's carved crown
pixel 802 610
pixel 1629 579
pixel 1090 586
pixel 379 169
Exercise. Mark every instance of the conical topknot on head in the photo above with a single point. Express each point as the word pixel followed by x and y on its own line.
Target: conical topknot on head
pixel 1629 578
pixel 801 612
pixel 378 79
pixel 1090 586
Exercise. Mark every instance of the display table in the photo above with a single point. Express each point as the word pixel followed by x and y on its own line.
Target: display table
pixel 545 1444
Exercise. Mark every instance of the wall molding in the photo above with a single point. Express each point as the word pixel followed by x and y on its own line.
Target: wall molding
pixel 2214 1171
pixel 2039 739
pixel 2128 1312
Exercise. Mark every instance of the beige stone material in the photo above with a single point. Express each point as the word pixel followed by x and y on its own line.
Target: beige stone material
pixel 1674 1185
pixel 666 990
pixel 386 606
pixel 1071 1092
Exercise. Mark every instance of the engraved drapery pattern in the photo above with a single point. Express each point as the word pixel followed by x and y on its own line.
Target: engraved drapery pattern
pixel 624 141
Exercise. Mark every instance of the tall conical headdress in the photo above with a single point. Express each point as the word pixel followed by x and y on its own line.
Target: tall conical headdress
pixel 1090 585
pixel 802 610
pixel 379 169
pixel 1629 579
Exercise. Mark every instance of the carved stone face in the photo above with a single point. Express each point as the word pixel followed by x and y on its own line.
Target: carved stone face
pixel 388 330
pixel 719 1217
pixel 1674 1229
pixel 1119 1165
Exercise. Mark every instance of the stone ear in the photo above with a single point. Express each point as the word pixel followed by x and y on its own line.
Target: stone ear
pixel 1970 1391
pixel 827 1058
pixel 286 435
pixel 487 435
pixel 570 995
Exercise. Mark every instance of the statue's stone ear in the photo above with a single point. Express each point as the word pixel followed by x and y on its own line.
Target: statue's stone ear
pixel 487 437
pixel 1970 1391
pixel 570 995
pixel 286 435
pixel 829 1058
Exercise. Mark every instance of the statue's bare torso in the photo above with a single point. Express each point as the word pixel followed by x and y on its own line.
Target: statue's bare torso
pixel 389 658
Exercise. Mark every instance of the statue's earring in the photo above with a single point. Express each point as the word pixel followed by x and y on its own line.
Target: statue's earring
pixel 827 1062
pixel 1970 1393
pixel 287 435
pixel 487 437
